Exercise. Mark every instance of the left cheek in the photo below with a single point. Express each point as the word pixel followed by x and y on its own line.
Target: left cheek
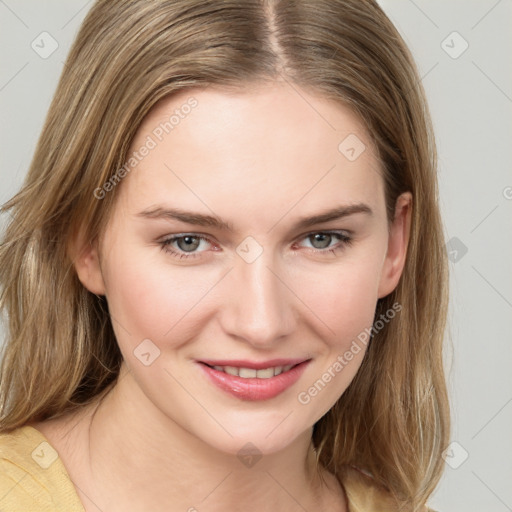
pixel 345 301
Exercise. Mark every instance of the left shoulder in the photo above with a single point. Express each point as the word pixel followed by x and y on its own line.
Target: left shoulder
pixel 364 494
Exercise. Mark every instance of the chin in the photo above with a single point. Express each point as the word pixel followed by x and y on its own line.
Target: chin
pixel 262 432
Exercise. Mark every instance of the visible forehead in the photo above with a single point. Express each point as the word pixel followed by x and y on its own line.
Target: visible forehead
pixel 282 96
pixel 257 151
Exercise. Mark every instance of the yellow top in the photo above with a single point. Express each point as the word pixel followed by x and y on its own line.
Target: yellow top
pixel 34 479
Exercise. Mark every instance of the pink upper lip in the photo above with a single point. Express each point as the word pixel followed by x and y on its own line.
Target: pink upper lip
pixel 240 363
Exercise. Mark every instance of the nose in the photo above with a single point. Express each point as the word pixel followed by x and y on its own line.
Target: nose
pixel 260 306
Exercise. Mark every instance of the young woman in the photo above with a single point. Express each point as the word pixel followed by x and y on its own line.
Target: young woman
pixel 225 275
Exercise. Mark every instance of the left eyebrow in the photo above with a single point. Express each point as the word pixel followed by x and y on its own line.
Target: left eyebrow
pixel 200 219
pixel 334 214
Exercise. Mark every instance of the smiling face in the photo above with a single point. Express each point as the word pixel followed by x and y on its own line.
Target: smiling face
pixel 253 278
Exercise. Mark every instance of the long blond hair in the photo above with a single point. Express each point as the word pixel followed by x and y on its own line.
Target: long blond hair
pixel 61 352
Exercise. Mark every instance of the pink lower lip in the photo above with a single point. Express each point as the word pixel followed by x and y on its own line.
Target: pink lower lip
pixel 254 389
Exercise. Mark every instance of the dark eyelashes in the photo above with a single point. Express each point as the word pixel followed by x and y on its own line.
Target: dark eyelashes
pixel 344 241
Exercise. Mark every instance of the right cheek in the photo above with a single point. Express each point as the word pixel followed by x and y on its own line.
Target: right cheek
pixel 146 304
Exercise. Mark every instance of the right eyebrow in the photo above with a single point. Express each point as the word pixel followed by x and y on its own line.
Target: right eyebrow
pixel 187 217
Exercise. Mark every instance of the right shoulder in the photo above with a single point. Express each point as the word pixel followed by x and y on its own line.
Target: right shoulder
pixel 32 476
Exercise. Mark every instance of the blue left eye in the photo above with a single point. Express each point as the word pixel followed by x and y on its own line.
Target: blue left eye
pixel 325 238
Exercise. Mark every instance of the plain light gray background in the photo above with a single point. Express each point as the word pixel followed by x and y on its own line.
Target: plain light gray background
pixel 470 95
